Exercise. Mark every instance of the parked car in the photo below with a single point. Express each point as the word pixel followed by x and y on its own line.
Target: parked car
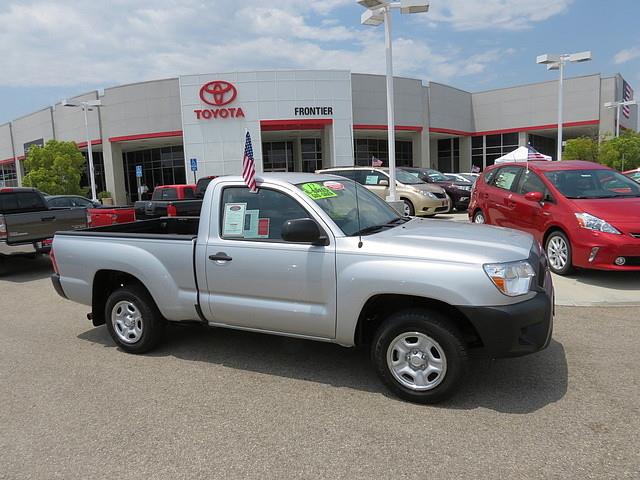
pixel 471 177
pixel 99 217
pixel 585 214
pixel 27 222
pixel 633 174
pixel 457 177
pixel 419 198
pixel 187 204
pixel 70 201
pixel 306 256
pixel 459 192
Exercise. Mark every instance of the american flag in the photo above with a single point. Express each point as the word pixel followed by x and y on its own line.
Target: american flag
pixel 248 165
pixel 533 154
pixel 627 94
pixel 375 162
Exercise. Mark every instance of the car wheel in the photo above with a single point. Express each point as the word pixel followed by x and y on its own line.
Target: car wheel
pixel 478 217
pixel 559 253
pixel 419 356
pixel 133 319
pixel 409 211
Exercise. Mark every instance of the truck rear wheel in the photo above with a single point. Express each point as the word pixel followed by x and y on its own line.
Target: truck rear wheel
pixel 133 320
pixel 419 357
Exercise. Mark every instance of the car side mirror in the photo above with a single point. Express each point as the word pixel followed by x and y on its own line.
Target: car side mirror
pixel 383 183
pixel 303 230
pixel 534 196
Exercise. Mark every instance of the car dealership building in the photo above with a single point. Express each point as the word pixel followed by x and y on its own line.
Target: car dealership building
pixel 305 120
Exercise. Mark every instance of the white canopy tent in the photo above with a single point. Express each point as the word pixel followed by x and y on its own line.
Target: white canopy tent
pixel 521 154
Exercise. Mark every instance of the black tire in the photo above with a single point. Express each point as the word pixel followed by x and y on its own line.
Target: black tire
pixel 555 239
pixel 448 343
pixel 408 207
pixel 150 322
pixel 478 215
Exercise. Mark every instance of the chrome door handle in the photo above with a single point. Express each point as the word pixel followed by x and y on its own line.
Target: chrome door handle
pixel 220 257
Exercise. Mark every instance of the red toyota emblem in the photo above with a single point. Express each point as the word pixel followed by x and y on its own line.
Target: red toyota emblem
pixel 218 93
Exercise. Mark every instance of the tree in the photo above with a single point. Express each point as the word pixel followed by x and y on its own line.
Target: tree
pixel 55 168
pixel 581 148
pixel 622 153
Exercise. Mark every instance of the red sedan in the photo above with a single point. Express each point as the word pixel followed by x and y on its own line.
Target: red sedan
pixel 584 214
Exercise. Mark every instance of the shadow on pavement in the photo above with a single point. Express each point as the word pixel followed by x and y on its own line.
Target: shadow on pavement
pixel 519 385
pixel 22 269
pixel 605 279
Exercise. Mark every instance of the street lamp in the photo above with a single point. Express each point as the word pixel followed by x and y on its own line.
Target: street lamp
pixel 377 12
pixel 617 106
pixel 86 106
pixel 556 62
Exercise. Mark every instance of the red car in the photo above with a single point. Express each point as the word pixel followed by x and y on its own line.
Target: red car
pixel 100 217
pixel 584 214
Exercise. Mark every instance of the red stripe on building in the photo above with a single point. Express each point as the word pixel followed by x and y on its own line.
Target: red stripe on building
pixel 450 131
pixel 93 142
pixel 550 126
pixel 8 160
pixel 142 136
pixel 295 124
pixel 406 128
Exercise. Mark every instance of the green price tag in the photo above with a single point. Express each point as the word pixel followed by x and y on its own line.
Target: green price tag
pixel 315 191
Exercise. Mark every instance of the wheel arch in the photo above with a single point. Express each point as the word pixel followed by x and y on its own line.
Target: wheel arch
pixel 378 308
pixel 105 282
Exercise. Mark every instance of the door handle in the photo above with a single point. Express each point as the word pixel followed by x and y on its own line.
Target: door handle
pixel 220 257
pixel 47 219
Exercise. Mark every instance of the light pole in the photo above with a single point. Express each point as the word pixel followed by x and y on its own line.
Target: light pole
pixel 557 62
pixel 86 106
pixel 377 12
pixel 617 106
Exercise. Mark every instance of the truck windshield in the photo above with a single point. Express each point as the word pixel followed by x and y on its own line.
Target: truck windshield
pixel 593 184
pixel 337 198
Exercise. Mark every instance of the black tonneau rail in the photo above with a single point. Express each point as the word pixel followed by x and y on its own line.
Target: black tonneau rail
pixel 165 228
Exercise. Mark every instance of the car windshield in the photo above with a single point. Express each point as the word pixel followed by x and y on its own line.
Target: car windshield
pixel 337 198
pixel 593 184
pixel 407 178
pixel 436 176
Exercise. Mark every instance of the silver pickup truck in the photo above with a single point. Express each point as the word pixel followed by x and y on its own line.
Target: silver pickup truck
pixel 322 258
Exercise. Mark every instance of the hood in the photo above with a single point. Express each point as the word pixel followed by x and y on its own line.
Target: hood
pixel 610 209
pixel 425 187
pixel 440 240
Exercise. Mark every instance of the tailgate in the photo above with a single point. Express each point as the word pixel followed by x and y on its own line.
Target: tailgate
pixel 33 226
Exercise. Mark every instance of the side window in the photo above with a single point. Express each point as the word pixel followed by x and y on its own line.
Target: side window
pixel 189 193
pixel 370 177
pixel 351 174
pixel 29 202
pixel 530 182
pixel 506 177
pixel 488 177
pixel 81 202
pixel 57 202
pixel 256 216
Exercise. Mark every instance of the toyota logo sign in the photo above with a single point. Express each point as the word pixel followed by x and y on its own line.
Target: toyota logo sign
pixel 218 93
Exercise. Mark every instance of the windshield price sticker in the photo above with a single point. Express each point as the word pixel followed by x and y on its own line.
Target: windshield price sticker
pixel 315 191
pixel 234 218
pixel 371 180
pixel 334 185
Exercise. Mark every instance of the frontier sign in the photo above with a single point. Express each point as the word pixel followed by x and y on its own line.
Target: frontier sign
pixel 218 94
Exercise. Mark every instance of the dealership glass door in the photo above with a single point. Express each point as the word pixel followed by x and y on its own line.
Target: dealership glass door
pixel 278 156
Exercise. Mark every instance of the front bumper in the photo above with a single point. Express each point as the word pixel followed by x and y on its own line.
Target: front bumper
pixel 514 330
pixel 609 247
pixel 427 206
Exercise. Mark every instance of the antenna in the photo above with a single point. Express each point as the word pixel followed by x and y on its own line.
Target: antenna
pixel 355 185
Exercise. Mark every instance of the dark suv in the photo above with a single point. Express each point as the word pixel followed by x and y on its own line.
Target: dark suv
pixel 460 192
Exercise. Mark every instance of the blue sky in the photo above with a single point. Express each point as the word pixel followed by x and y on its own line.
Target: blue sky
pixel 50 50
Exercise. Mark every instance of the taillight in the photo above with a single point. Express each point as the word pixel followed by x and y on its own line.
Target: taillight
pixel 172 211
pixel 3 227
pixel 52 256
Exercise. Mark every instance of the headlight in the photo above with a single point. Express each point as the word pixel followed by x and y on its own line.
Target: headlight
pixel 590 222
pixel 466 188
pixel 428 194
pixel 512 278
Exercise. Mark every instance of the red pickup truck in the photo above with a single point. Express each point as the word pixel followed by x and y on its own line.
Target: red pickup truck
pixel 99 217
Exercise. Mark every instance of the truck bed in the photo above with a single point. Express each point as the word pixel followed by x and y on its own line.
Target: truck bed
pixel 175 228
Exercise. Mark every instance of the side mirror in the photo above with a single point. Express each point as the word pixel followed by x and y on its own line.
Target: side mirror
pixel 534 196
pixel 383 183
pixel 303 230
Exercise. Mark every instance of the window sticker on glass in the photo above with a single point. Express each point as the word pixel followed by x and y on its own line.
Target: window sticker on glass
pixel 233 222
pixel 334 185
pixel 315 191
pixel 263 227
pixel 251 218
pixel 371 180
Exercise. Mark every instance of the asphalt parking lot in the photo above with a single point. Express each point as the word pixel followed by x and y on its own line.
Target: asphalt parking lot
pixel 224 404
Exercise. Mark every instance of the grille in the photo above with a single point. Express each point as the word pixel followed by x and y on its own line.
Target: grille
pixel 636 235
pixel 442 209
pixel 632 262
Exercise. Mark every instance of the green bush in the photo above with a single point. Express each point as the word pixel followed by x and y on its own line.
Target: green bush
pixel 55 168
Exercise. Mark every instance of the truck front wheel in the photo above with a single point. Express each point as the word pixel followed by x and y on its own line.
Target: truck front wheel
pixel 133 320
pixel 419 356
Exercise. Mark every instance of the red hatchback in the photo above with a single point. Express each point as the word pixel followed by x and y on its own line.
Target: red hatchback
pixel 584 214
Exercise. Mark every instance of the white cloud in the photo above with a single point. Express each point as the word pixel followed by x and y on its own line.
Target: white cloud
pixel 68 43
pixel 495 14
pixel 626 55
